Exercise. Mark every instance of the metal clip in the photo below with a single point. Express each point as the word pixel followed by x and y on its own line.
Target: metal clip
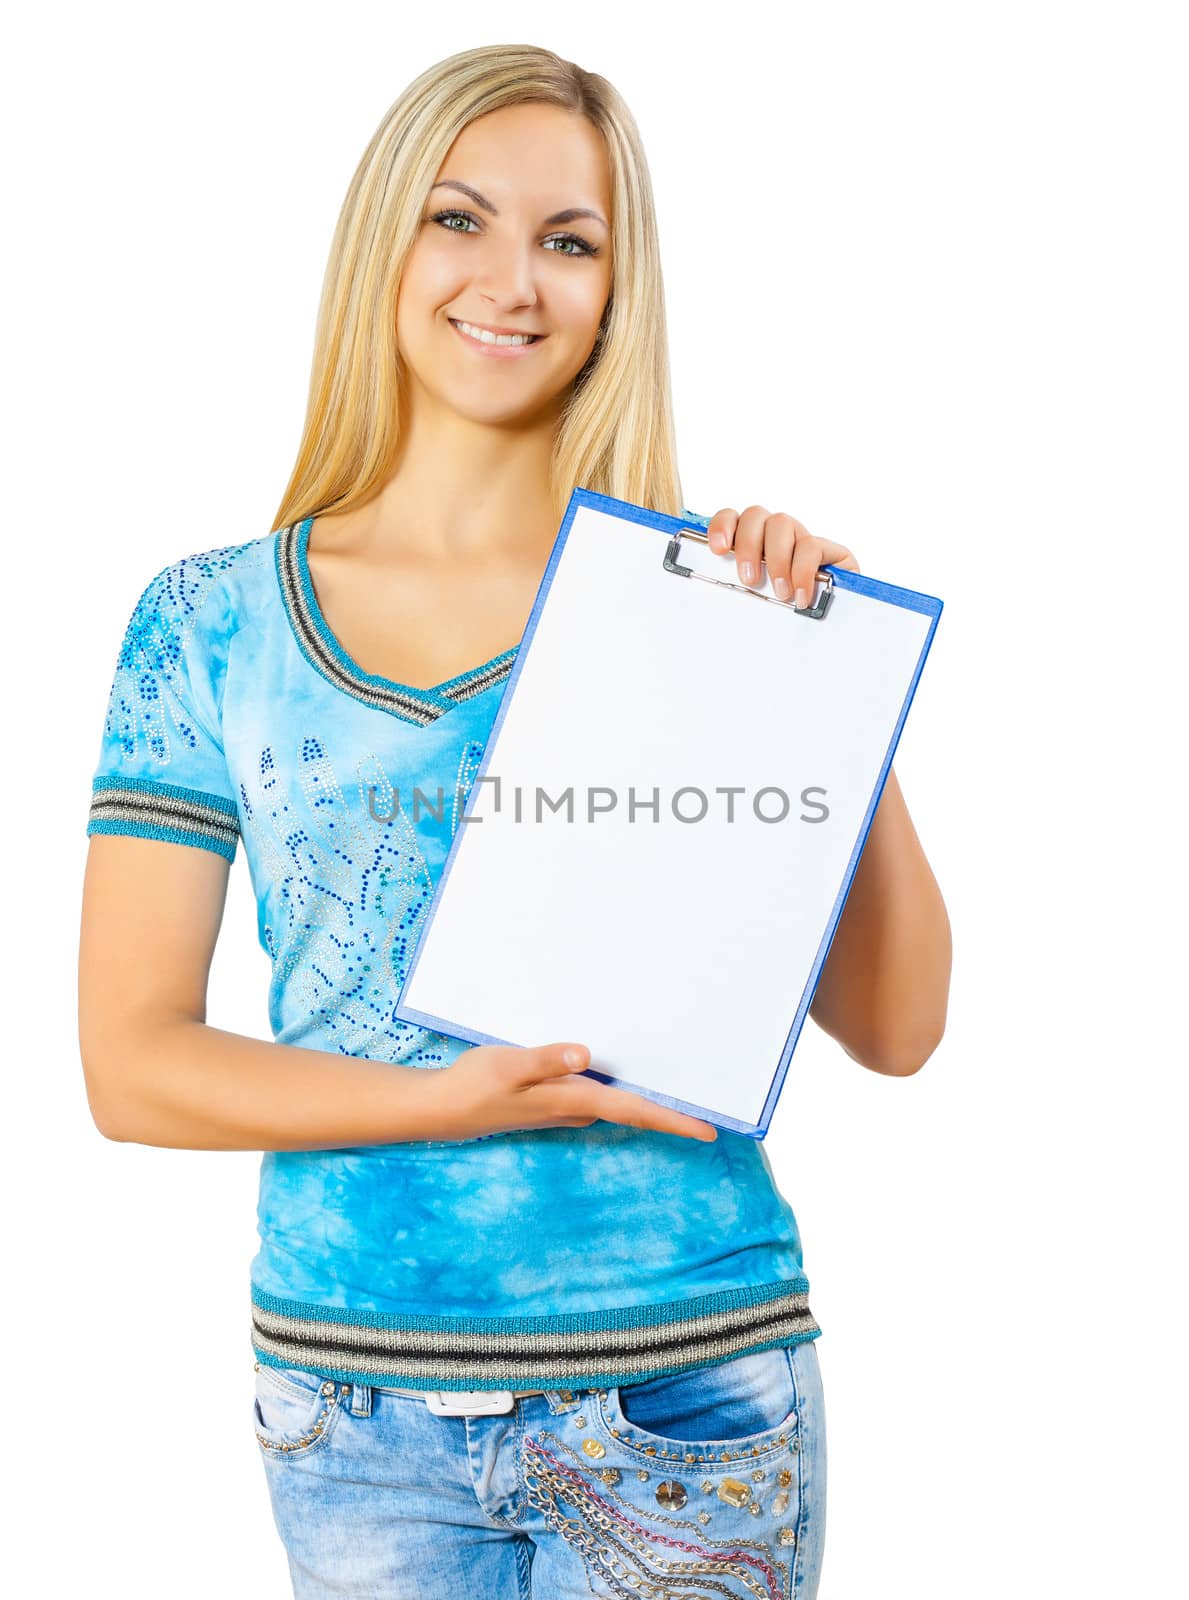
pixel 815 611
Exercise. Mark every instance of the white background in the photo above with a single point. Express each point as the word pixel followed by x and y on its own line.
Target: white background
pixel 926 273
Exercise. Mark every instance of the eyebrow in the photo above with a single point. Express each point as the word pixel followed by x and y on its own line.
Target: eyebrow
pixel 570 215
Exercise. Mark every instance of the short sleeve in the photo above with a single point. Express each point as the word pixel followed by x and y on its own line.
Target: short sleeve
pixel 161 772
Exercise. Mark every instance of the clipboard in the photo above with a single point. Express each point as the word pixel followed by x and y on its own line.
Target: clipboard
pixel 724 755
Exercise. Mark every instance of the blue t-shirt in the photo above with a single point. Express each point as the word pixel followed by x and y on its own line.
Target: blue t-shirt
pixel 528 1259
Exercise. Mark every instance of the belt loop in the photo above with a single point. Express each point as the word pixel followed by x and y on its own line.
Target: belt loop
pixel 562 1401
pixel 361 1399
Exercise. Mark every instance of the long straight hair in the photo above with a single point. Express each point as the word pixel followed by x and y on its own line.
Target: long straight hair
pixel 616 435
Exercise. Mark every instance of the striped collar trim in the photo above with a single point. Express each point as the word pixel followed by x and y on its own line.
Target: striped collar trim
pixel 327 656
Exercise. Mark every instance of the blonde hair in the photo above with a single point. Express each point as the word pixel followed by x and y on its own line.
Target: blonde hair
pixel 616 435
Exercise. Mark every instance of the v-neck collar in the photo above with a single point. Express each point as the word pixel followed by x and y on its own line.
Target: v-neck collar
pixel 327 656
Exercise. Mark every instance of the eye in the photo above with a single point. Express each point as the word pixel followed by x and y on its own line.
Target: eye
pixel 572 238
pixel 445 219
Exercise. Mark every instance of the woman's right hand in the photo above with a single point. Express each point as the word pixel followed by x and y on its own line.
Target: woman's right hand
pixel 492 1088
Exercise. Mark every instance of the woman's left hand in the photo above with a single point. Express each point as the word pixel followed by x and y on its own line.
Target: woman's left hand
pixel 790 552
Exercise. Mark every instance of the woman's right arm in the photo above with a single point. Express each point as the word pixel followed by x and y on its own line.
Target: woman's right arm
pixel 156 1073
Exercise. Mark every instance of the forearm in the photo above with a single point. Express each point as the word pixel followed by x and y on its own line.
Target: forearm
pixel 884 990
pixel 187 1086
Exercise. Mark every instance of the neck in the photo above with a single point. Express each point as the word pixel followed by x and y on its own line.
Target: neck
pixel 465 489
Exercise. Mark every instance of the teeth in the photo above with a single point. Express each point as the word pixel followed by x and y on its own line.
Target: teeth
pixel 495 338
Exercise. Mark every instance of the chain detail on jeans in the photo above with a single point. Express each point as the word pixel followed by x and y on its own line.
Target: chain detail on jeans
pixel 630 1572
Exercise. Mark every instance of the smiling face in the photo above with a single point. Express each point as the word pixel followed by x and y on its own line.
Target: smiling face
pixel 500 248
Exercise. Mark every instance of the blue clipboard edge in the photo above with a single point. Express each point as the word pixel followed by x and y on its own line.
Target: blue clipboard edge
pixel 911 600
pixel 876 589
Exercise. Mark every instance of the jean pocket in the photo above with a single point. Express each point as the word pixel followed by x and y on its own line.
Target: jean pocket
pixel 696 1476
pixel 739 1409
pixel 294 1412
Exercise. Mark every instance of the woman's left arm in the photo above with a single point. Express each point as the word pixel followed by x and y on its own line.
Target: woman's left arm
pixel 885 985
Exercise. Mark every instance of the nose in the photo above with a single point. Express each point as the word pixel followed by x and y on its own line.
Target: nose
pixel 504 275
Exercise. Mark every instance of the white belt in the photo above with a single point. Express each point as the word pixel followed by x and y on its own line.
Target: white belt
pixel 465 1402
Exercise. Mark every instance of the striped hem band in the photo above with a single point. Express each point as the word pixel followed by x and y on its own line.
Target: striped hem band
pixel 145 809
pixel 577 1350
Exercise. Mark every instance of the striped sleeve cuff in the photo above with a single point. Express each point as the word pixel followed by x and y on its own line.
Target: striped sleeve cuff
pixel 145 809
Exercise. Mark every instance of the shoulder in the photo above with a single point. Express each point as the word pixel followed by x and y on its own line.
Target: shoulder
pixel 209 593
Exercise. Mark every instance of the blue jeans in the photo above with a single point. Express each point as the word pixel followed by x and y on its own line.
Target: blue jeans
pixel 711 1481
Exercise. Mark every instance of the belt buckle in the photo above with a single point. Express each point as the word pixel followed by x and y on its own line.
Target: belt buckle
pixel 469 1402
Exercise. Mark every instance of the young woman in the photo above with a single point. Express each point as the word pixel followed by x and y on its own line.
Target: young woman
pixel 516 1331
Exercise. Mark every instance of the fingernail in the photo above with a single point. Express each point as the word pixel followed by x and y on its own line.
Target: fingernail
pixel 718 542
pixel 573 1058
pixel 801 599
pixel 746 571
pixel 781 585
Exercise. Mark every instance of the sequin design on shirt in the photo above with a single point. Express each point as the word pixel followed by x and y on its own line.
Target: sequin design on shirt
pixel 162 713
pixel 349 887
